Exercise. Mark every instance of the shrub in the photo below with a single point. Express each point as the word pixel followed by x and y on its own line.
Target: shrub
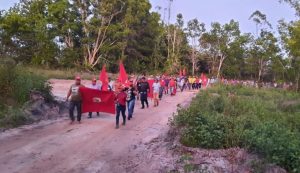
pixel 15 87
pixel 263 120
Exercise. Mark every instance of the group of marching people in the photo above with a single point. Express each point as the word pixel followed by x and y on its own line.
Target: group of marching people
pixel 126 94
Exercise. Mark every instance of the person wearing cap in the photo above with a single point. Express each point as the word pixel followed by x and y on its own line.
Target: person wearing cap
pixel 144 89
pixel 94 86
pixel 75 99
pixel 120 105
pixel 131 94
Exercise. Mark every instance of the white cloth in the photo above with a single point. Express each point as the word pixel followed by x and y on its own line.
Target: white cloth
pixel 96 86
pixel 156 87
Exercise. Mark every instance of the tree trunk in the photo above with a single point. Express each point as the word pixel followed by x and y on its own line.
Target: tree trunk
pixel 297 82
pixel 193 61
pixel 220 65
pixel 260 69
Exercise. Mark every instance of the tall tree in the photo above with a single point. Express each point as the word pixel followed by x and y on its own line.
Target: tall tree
pixel 290 36
pixel 219 42
pixel 195 29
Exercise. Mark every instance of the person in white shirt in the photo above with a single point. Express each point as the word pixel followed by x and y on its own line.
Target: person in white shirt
pixel 96 86
pixel 156 87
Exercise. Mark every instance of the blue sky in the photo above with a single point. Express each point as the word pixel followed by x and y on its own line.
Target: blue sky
pixel 223 11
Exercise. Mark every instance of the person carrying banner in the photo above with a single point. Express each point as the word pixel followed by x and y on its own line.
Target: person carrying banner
pixel 120 106
pixel 75 100
pixel 131 94
pixel 156 87
pixel 143 90
pixel 95 86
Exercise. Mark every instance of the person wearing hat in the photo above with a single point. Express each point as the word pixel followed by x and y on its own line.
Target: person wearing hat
pixel 120 105
pixel 95 86
pixel 75 99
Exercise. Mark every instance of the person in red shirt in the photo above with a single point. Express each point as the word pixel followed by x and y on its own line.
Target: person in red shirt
pixel 121 106
pixel 172 86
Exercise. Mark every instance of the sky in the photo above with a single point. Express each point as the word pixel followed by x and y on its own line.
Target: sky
pixel 223 11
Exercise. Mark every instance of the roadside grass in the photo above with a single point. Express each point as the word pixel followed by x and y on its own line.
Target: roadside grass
pixel 16 84
pixel 265 121
pixel 60 73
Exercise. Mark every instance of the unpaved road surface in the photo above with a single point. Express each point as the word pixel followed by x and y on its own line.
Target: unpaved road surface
pixel 93 146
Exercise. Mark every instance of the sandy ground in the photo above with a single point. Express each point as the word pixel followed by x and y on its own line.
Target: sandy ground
pixel 93 146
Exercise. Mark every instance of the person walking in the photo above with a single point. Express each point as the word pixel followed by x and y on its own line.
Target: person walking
pixel 182 84
pixel 156 87
pixel 94 86
pixel 131 96
pixel 172 86
pixel 162 87
pixel 120 106
pixel 75 99
pixel 144 89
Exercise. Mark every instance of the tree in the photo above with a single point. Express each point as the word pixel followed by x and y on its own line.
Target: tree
pixel 264 49
pixel 260 21
pixel 290 36
pixel 195 29
pixel 96 19
pixel 295 4
pixel 219 43
pixel 178 41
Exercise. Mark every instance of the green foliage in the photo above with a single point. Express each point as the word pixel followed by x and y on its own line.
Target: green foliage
pixel 15 87
pixel 265 121
pixel 26 82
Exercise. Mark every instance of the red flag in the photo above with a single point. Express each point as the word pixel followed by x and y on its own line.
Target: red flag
pixel 104 79
pixel 97 101
pixel 180 73
pixel 204 80
pixel 184 72
pixel 150 82
pixel 123 75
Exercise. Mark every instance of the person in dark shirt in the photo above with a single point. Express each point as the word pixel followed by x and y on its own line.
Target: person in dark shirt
pixel 143 89
pixel 131 94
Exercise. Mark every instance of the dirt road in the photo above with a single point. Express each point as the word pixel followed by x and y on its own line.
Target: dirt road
pixel 93 146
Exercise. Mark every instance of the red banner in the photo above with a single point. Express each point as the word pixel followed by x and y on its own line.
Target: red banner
pixel 97 101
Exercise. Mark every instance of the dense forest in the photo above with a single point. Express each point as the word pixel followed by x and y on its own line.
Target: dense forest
pixel 85 34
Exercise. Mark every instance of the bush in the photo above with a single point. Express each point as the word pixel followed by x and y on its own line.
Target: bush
pixel 15 87
pixel 265 121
